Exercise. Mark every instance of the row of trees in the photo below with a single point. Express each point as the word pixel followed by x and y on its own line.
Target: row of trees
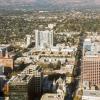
pixel 52 66
pixel 12 28
pixel 70 41
pixel 86 24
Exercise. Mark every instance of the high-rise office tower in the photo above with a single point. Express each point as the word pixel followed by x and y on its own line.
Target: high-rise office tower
pixel 91 62
pixel 43 39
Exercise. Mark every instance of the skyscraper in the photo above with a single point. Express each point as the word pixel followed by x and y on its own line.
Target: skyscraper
pixel 91 63
pixel 43 39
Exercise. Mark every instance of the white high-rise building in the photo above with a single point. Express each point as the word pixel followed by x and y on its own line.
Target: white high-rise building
pixel 28 40
pixel 43 39
pixel 1 69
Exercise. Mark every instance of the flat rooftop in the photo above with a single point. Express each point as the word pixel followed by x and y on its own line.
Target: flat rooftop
pixel 94 93
pixel 51 96
pixel 23 78
pixel 20 79
pixel 91 47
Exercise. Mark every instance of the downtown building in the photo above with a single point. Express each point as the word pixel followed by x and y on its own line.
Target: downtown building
pixel 90 73
pixel 26 85
pixel 43 39
pixel 6 61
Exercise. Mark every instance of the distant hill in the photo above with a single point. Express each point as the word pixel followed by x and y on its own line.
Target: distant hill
pixel 47 4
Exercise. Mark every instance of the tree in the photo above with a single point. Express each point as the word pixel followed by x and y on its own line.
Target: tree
pixel 50 65
pixel 77 98
pixel 58 66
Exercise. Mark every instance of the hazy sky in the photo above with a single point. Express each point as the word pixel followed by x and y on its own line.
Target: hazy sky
pixel 97 1
pixel 60 1
pixel 50 1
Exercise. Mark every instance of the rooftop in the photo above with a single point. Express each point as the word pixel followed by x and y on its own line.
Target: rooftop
pixel 25 76
pixel 91 46
pixel 20 79
pixel 51 96
pixel 93 93
pixel 4 45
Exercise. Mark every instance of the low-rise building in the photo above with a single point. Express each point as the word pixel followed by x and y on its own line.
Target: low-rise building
pixel 5 59
pixel 91 95
pixel 58 91
pixel 52 96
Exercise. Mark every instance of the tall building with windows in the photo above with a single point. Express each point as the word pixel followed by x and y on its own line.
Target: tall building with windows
pixel 26 85
pixel 91 62
pixel 91 70
pixel 28 40
pixel 43 39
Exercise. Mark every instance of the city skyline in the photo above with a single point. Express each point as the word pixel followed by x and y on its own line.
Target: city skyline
pixel 49 49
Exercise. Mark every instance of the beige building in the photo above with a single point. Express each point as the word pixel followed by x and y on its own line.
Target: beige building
pixel 91 62
pixel 91 70
pixel 52 96
pixel 5 59
pixel 91 95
